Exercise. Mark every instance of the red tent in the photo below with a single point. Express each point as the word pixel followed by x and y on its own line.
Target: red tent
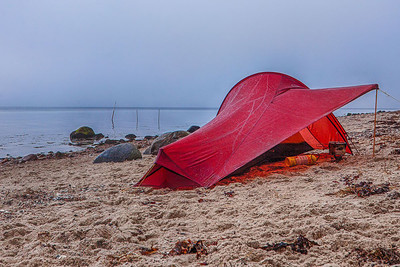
pixel 263 116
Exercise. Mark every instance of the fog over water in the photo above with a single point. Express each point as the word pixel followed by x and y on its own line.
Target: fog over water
pixel 190 53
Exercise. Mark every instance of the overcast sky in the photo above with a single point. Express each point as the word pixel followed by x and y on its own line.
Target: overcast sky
pixel 190 53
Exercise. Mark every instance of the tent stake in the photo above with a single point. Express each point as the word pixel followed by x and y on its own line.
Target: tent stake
pixel 376 105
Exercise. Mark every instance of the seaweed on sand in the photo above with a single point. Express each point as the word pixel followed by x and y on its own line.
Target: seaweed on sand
pixel 301 245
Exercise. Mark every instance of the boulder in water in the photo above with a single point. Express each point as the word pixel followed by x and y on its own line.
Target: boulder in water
pixel 84 133
pixel 119 153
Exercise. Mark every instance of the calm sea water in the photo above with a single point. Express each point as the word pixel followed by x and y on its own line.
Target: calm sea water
pixel 40 130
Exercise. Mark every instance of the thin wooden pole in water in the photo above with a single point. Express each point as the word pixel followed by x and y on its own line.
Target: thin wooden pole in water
pixel 137 119
pixel 112 117
pixel 159 111
pixel 376 106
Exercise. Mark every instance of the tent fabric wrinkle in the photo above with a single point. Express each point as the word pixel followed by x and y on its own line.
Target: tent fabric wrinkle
pixel 265 116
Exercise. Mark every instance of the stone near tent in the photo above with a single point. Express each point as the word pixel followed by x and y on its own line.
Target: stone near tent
pixel 130 137
pixel 147 151
pixel 83 133
pixel 166 139
pixel 193 128
pixel 119 153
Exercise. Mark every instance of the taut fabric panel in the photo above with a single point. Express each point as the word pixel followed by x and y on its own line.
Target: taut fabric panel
pixel 259 112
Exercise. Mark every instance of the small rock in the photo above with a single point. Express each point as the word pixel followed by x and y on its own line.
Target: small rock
pixel 396 151
pixel 193 128
pixel 111 142
pixel 119 153
pixel 29 158
pixel 130 137
pixel 59 155
pixel 253 244
pixel 98 136
pixel 393 195
pixel 149 137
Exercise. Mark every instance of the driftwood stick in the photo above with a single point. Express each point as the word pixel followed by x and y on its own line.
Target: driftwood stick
pixel 112 117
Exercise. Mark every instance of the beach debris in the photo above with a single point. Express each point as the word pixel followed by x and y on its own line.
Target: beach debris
pixel 119 153
pixel 32 197
pixel 393 195
pixel 67 197
pixel 229 193
pixel 301 245
pixel 148 202
pixel 193 128
pixel 114 260
pixel 362 189
pixel 189 247
pixel 396 151
pixel 379 255
pixel 43 236
pixel 148 251
pixel 5 213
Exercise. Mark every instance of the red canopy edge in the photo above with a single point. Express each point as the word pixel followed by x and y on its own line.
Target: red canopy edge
pixel 259 113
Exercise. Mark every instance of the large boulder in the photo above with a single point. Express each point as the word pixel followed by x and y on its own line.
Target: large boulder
pixel 166 139
pixel 83 133
pixel 119 153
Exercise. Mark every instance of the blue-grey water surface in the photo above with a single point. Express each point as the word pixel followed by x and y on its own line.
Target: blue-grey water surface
pixel 40 130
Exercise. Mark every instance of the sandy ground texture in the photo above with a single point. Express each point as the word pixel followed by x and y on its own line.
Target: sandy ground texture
pixel 71 212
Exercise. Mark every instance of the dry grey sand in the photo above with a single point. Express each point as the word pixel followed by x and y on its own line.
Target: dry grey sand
pixel 70 212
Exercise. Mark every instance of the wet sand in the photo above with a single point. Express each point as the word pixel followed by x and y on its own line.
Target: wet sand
pixel 71 212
